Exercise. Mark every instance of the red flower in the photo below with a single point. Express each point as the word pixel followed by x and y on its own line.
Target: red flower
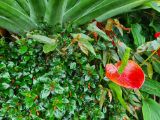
pixel 132 76
pixel 156 35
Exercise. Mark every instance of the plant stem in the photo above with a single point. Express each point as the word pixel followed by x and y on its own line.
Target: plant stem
pixel 149 57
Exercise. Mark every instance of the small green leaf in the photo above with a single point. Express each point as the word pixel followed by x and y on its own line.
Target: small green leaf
pixel 5 86
pixel 150 109
pixel 45 93
pixel 88 45
pixel 139 39
pixel 93 28
pixel 23 49
pixel 49 47
pixel 102 96
pixel 150 70
pixel 101 72
pixel 73 66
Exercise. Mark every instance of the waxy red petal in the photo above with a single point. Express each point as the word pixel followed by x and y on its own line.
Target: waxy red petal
pixel 156 35
pixel 132 76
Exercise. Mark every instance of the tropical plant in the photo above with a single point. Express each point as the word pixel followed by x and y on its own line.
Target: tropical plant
pixel 20 16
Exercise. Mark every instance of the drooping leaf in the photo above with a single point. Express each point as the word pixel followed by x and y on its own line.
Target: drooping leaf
pixel 42 39
pixel 117 89
pixel 151 87
pixel 150 109
pixel 139 39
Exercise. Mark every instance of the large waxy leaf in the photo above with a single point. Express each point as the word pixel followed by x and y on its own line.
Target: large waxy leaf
pixel 139 39
pixel 16 16
pixel 151 109
pixel 151 87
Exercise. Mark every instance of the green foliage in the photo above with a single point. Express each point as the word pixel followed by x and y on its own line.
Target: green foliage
pixel 151 87
pixel 38 86
pixel 150 109
pixel 20 16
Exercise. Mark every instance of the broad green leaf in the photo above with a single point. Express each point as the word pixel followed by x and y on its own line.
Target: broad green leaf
pixel 49 47
pixel 124 60
pixel 117 89
pixel 139 39
pixel 42 39
pixel 150 109
pixel 151 87
pixel 93 28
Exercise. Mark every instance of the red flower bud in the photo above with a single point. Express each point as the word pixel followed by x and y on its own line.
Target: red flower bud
pixel 156 35
pixel 132 76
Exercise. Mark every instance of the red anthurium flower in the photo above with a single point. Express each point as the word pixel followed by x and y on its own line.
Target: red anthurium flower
pixel 156 35
pixel 132 76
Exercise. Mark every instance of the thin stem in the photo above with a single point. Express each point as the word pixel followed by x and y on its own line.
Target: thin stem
pixel 149 57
